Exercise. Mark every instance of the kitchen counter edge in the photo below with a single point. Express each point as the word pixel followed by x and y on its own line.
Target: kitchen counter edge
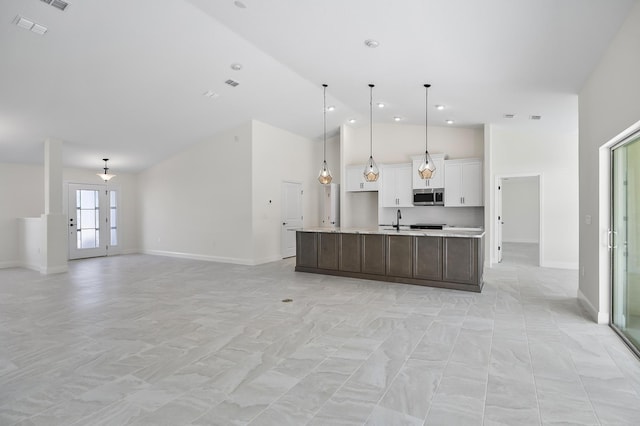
pixel 408 232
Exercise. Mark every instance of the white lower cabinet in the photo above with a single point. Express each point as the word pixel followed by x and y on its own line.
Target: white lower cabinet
pixel 463 183
pixel 396 186
pixel 355 180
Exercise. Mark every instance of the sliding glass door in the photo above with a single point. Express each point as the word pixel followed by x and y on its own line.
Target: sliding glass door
pixel 624 240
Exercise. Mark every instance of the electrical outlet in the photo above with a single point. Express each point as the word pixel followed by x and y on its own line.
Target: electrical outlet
pixel 587 219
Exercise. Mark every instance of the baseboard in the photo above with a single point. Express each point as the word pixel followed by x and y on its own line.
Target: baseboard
pixel 32 266
pixel 234 260
pixel 599 317
pixel 559 265
pixel 54 270
pixel 9 264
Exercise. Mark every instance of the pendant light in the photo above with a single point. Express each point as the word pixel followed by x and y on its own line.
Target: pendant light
pixel 325 174
pixel 371 171
pixel 106 176
pixel 427 168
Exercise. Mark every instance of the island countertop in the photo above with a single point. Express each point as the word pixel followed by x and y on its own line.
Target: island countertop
pixel 388 230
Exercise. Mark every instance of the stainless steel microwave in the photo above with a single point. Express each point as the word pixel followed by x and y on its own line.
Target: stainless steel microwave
pixel 428 197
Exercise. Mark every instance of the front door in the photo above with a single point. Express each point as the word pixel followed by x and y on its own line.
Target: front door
pixel 291 216
pixel 92 220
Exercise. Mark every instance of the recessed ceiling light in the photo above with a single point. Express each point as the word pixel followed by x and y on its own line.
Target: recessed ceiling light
pixel 239 4
pixel 535 117
pixel 371 43
pixel 449 122
pixel 380 105
pixel 509 115
pixel 236 67
pixel 397 118
pixel 440 107
pixel 331 108
pixel 352 120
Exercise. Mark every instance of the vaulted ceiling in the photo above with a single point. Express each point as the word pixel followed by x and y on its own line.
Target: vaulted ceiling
pixel 126 79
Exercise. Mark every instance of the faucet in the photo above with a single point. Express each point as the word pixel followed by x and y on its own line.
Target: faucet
pixel 398 217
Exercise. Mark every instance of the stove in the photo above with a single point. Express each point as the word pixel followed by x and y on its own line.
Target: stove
pixel 428 226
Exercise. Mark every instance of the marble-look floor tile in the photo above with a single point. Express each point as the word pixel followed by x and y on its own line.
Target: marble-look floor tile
pixel 150 340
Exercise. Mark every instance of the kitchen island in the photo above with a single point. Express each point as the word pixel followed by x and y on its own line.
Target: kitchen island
pixel 446 258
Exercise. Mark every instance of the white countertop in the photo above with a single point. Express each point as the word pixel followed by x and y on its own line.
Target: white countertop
pixel 404 230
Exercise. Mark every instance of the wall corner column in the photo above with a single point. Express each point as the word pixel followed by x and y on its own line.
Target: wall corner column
pixel 54 231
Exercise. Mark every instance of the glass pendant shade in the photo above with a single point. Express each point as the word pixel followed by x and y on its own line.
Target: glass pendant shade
pixel 427 168
pixel 106 176
pixel 325 174
pixel 371 171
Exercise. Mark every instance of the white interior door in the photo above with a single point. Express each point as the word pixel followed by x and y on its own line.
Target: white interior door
pixel 291 216
pixel 499 221
pixel 92 220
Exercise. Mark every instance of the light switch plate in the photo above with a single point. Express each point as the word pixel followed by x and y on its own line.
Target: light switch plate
pixel 587 219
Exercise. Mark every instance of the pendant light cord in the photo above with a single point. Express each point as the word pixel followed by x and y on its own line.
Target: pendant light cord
pixel 324 155
pixel 371 86
pixel 426 117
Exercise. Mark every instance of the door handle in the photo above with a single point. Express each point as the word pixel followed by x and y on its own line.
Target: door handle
pixel 284 223
pixel 611 239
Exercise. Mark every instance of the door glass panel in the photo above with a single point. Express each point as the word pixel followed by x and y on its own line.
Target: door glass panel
pixel 625 241
pixel 88 219
pixel 113 217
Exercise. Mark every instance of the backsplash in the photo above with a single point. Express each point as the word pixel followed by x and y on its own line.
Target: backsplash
pixel 452 216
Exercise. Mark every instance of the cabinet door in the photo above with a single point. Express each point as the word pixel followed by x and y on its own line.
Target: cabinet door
pixel 453 184
pixel 472 184
pixel 388 187
pixel 328 250
pixel 399 256
pixel 307 249
pixel 350 252
pixel 459 260
pixel 373 258
pixel 354 178
pixel 404 188
pixel 427 258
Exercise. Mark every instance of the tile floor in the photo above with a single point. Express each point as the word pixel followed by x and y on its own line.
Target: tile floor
pixel 149 340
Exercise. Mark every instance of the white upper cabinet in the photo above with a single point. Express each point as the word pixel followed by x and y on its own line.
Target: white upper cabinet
pixel 355 180
pixel 463 183
pixel 437 181
pixel 396 189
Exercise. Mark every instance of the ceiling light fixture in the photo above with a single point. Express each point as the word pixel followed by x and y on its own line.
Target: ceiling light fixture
pixel 325 174
pixel 106 176
pixel 371 43
pixel 236 67
pixel 331 108
pixel 380 105
pixel 371 171
pixel 449 121
pixel 427 168
pixel 397 118
pixel 352 120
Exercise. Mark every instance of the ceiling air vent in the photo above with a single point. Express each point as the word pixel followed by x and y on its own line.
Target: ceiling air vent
pixel 232 83
pixel 59 4
pixel 509 116
pixel 535 117
pixel 47 1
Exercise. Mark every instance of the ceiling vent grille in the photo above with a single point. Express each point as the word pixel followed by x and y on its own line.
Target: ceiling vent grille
pixel 535 117
pixel 232 83
pixel 58 4
pixel 509 116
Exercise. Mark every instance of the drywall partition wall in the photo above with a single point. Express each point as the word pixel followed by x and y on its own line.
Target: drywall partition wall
pixel 554 157
pixel 397 143
pixel 128 209
pixel 520 210
pixel 608 104
pixel 197 204
pixel 21 195
pixel 277 156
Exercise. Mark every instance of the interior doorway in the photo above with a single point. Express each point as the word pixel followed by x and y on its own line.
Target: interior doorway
pixel 518 220
pixel 92 221
pixel 291 216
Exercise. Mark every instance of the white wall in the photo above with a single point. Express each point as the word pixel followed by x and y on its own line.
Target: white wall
pixel 277 156
pixel 608 105
pixel 197 204
pixel 553 156
pixel 520 210
pixel 21 195
pixel 397 143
